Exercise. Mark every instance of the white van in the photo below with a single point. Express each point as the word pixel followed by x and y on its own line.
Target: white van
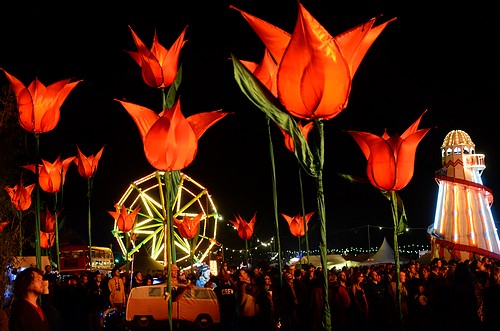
pixel 147 307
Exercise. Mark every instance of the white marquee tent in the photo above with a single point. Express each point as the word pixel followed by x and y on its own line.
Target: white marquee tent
pixel 332 260
pixel 385 254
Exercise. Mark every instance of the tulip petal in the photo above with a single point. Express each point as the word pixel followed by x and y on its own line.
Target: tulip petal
pixel 202 121
pixel 245 230
pixel 390 159
pixel 266 71
pixel 275 39
pixel 171 143
pixel 413 128
pixel 188 227
pixel 20 196
pixel 87 166
pixel 314 80
pixel 39 106
pixel 47 239
pixel 158 65
pixel 143 117
pixel 406 158
pixel 355 42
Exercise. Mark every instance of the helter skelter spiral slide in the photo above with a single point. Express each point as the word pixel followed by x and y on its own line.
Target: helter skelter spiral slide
pixel 463 226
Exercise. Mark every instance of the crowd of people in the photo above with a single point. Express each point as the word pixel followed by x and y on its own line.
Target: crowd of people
pixel 440 295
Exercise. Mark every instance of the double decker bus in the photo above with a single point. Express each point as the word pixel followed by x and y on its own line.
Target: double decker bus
pixel 76 258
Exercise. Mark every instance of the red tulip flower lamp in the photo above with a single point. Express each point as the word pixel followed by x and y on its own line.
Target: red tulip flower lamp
pixel 87 168
pixel 20 197
pixel 125 222
pixel 390 168
pixel 298 226
pixel 245 231
pixel 169 139
pixel 313 82
pixel 48 230
pixel 188 229
pixel 39 112
pixel 51 178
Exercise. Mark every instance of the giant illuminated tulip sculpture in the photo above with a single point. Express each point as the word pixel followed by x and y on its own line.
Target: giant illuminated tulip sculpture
pixel 188 229
pixel 46 239
pixel 245 230
pixel 87 168
pixel 20 197
pixel 170 140
pixel 48 229
pixel 159 65
pixel 170 144
pixel 390 168
pixel 125 221
pixel 313 82
pixel 51 178
pixel 51 175
pixel 39 112
pixel 298 226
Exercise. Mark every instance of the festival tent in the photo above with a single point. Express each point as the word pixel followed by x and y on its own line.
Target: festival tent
pixel 332 260
pixel 385 254
pixel 145 263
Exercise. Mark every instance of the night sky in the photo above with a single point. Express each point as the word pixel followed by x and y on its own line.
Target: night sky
pixel 443 59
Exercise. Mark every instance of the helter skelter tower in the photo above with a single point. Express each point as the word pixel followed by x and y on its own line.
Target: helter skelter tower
pixel 463 227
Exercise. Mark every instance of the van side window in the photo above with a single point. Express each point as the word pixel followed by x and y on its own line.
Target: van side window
pixel 202 294
pixel 155 292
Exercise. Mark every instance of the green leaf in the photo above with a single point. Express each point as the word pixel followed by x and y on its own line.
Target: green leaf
pixel 172 90
pixel 260 96
pixel 175 180
pixel 402 223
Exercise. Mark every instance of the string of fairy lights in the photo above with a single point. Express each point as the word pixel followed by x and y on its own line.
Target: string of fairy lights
pixel 266 247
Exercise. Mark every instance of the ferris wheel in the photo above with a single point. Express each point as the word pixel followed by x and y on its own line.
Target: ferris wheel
pixel 190 199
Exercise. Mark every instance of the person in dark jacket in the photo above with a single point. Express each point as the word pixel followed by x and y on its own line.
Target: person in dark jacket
pixel 26 313
pixel 491 301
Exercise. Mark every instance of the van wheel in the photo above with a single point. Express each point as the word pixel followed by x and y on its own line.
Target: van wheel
pixel 142 321
pixel 203 322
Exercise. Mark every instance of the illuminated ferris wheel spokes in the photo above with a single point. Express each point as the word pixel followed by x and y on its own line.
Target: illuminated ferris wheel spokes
pixel 191 199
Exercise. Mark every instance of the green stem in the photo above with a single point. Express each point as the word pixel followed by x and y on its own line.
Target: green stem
pixel 38 249
pixel 58 260
pixel 322 219
pixel 300 251
pixel 20 217
pixel 167 215
pixel 275 201
pixel 395 217
pixel 306 236
pixel 246 253
pixel 89 193
pixel 191 255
